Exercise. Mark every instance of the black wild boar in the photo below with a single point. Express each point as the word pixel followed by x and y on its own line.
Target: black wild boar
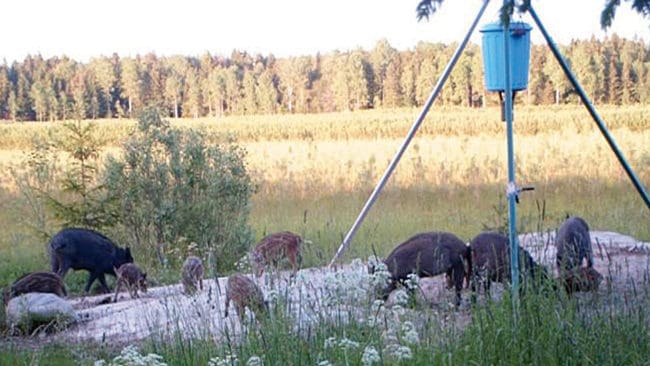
pixel 192 275
pixel 243 292
pixel 573 245
pixel 491 261
pixel 428 255
pixel 275 247
pixel 86 249
pixel 48 282
pixel 132 277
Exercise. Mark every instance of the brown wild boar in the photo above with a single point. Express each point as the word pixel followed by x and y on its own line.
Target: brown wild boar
pixel 491 261
pixel 192 275
pixel 132 277
pixel 243 292
pixel 48 282
pixel 573 245
pixel 275 247
pixel 427 255
pixel 582 279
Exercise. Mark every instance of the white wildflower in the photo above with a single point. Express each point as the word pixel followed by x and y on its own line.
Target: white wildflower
pixel 377 305
pixel 227 360
pixel 370 356
pixel 398 352
pixel 347 344
pixel 401 298
pixel 330 342
pixel 254 361
pixel 272 296
pixel 409 333
pixel 356 263
pixel 403 353
pixel 389 336
pixel 130 356
pixel 303 277
pixel 412 281
pixel 324 363
pixel 380 276
pixel 398 310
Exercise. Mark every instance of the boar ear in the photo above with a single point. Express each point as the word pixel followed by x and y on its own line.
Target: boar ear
pixel 144 275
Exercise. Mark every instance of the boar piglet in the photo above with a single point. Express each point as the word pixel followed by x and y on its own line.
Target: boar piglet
pixel 48 282
pixel 132 277
pixel 192 275
pixel 243 292
pixel 274 248
pixel 427 255
pixel 88 250
pixel 573 245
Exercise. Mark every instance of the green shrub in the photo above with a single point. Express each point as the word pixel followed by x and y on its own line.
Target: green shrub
pixel 175 193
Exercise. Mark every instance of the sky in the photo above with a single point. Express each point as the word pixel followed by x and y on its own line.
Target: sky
pixel 82 29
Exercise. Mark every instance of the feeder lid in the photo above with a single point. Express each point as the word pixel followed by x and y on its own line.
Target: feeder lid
pixel 514 26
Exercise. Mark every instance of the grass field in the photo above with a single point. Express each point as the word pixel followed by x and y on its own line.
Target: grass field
pixel 314 174
pixel 451 178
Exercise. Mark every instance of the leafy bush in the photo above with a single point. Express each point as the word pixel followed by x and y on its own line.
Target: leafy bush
pixel 174 192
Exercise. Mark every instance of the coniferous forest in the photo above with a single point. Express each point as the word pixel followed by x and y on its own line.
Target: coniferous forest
pixel 612 71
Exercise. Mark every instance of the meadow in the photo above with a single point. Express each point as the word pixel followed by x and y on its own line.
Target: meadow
pixel 314 172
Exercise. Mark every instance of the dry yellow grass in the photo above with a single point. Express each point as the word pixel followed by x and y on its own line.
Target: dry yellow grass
pixel 308 166
pixel 445 161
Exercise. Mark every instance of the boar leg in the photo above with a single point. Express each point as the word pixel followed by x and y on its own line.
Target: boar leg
pixel 102 281
pixel 117 289
pixel 91 278
pixel 62 268
pixel 458 274
pixel 225 315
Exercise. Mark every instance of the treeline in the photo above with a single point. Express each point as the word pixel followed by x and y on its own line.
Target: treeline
pixel 612 71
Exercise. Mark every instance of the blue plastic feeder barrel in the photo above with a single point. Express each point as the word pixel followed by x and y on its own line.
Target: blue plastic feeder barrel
pixel 494 57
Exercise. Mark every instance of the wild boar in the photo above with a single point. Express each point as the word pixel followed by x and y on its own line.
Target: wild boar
pixel 132 277
pixel 491 261
pixel 573 245
pixel 243 292
pixel 46 282
pixel 86 249
pixel 275 247
pixel 192 275
pixel 582 279
pixel 427 255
